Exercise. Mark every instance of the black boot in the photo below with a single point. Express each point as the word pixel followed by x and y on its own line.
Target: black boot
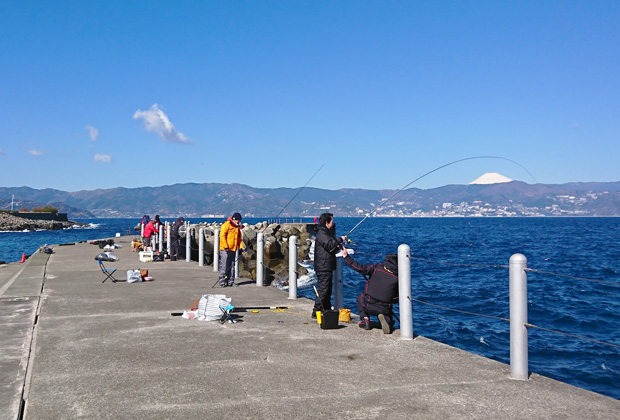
pixel 365 323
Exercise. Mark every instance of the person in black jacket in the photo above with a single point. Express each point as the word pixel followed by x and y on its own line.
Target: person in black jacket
pixel 381 290
pixel 175 238
pixel 326 246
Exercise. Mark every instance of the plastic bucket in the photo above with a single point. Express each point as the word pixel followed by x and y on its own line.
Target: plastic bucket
pixel 344 315
pixel 329 320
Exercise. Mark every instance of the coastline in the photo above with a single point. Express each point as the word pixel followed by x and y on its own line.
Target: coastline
pixel 11 223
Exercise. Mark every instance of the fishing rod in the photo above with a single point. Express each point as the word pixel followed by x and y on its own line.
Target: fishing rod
pixel 246 308
pixel 300 190
pixel 435 170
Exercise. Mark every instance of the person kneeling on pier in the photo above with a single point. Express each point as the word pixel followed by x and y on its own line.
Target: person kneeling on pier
pixel 381 290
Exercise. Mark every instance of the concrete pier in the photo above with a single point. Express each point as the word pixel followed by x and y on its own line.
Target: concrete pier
pixel 73 346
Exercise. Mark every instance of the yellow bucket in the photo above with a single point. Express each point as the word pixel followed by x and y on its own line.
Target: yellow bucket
pixel 318 317
pixel 344 315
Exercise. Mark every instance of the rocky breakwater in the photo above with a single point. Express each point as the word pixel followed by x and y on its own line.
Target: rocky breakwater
pixel 276 250
pixel 9 222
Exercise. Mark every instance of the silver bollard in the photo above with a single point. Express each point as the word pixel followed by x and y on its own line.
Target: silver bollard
pixel 518 317
pixel 404 292
pixel 161 238
pixel 142 230
pixel 168 237
pixel 216 250
pixel 237 264
pixel 337 282
pixel 188 237
pixel 292 267
pixel 201 247
pixel 260 259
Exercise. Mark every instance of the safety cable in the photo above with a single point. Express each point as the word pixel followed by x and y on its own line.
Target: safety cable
pixel 572 335
pixel 458 310
pixel 508 320
pixel 531 270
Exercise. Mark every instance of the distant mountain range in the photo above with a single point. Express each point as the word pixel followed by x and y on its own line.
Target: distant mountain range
pixel 513 198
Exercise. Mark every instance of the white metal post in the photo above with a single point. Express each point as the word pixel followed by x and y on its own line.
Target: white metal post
pixel 518 317
pixel 168 237
pixel 188 238
pixel 216 250
pixel 161 238
pixel 292 267
pixel 141 230
pixel 201 247
pixel 404 292
pixel 338 296
pixel 237 264
pixel 260 259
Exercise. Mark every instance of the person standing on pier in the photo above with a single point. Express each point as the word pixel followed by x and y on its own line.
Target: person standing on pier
pixel 149 230
pixel 326 247
pixel 175 238
pixel 380 292
pixel 230 242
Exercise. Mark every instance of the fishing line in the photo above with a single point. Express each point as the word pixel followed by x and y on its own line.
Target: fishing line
pixel 435 170
pixel 300 190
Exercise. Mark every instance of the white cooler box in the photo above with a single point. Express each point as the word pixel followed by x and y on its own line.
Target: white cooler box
pixel 146 256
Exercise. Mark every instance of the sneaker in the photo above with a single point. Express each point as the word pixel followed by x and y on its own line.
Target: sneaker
pixel 233 285
pixel 223 285
pixel 313 314
pixel 365 323
pixel 385 325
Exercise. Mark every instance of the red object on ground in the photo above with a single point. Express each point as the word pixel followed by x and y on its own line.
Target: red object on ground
pixel 23 257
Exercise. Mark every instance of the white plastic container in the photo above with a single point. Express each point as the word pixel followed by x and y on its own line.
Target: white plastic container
pixel 146 256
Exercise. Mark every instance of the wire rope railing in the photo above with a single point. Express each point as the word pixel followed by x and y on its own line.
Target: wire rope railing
pixel 502 266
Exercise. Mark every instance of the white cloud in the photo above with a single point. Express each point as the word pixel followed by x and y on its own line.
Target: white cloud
pixel 103 158
pixel 35 152
pixel 157 121
pixel 93 133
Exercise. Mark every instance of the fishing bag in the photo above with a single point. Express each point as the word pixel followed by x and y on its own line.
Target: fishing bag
pixel 209 307
pixel 133 276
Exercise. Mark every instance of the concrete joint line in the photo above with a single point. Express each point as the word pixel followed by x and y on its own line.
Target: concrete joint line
pixel 31 353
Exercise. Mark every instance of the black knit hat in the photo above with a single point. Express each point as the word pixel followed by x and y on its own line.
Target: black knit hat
pixel 236 216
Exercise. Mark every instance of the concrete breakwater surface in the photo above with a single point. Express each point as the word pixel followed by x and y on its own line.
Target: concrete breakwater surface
pixel 456 263
pixel 74 347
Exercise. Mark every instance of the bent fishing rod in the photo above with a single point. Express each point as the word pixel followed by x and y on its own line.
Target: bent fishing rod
pixel 300 190
pixel 430 172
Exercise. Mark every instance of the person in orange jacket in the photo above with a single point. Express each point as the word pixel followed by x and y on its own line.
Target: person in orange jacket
pixel 230 242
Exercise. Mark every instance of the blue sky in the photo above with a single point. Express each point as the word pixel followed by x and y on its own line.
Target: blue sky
pixel 102 94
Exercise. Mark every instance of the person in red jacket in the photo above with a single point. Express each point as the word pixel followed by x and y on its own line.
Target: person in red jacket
pixel 149 230
pixel 380 292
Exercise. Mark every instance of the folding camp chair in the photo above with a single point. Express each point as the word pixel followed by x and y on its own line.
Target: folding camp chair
pixel 109 272
pixel 226 310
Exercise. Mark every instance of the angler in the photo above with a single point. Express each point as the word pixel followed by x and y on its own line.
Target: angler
pixel 380 292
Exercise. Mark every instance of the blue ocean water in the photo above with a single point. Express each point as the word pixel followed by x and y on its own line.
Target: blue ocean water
pixel 453 263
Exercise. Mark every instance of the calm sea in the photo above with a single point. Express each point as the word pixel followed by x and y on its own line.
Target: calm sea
pixel 452 267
